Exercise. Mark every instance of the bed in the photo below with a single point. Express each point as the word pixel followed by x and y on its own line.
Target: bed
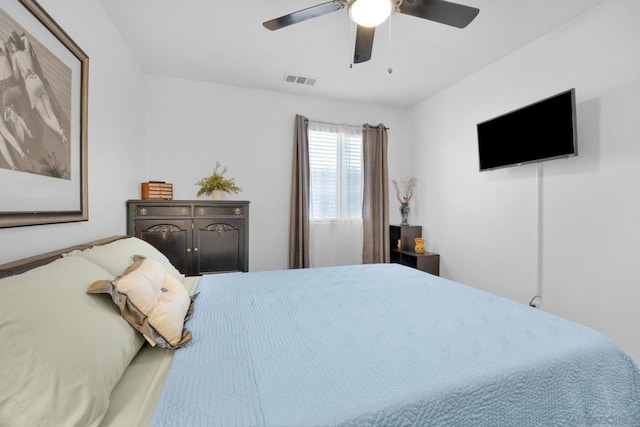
pixel 374 345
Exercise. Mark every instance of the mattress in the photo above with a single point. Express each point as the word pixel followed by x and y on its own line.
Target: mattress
pixel 385 345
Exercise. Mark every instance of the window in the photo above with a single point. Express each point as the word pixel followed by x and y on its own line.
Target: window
pixel 335 163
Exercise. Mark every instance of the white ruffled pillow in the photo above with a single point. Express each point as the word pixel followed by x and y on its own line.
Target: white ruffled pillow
pixel 152 301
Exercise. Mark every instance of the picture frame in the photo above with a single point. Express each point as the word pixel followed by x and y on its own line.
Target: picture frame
pixel 44 78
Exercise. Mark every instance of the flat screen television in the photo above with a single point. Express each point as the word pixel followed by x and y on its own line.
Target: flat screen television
pixel 540 131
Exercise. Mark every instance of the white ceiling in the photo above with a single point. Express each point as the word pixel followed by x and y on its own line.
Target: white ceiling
pixel 224 42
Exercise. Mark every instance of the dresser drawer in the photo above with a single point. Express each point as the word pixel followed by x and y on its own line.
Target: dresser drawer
pixel 163 211
pixel 213 211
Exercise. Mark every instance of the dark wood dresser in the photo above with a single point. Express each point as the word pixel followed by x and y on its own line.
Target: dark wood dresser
pixel 197 236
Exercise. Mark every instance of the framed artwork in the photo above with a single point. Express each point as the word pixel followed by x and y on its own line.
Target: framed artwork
pixel 43 119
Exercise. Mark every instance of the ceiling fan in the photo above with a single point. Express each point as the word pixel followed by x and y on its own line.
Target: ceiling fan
pixel 367 14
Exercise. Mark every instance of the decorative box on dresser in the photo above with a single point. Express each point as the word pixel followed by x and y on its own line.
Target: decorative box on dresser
pixel 405 253
pixel 197 236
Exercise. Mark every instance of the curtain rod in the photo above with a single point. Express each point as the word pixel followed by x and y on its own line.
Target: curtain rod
pixel 342 124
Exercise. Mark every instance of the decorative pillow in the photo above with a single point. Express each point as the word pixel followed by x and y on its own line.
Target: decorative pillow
pixel 62 351
pixel 116 256
pixel 152 301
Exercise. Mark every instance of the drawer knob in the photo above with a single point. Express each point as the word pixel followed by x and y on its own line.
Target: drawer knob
pixel 195 249
pixel 188 249
pixel 237 211
pixel 143 211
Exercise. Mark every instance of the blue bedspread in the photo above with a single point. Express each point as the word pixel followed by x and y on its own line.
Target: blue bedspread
pixel 385 345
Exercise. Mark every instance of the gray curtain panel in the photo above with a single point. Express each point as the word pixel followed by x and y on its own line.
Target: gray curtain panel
pixel 375 206
pixel 299 226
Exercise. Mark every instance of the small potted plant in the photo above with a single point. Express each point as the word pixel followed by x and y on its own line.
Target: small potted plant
pixel 216 184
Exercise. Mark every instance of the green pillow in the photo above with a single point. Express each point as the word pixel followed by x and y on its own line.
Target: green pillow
pixel 116 256
pixel 62 351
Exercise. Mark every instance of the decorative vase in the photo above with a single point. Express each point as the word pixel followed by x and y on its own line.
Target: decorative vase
pixel 419 248
pixel 404 211
pixel 216 194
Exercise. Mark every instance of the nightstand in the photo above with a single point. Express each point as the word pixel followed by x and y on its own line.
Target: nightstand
pixel 406 255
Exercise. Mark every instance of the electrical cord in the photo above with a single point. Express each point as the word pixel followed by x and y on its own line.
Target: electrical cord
pixel 533 303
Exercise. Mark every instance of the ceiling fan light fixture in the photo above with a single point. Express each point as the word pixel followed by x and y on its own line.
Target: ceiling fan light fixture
pixel 369 13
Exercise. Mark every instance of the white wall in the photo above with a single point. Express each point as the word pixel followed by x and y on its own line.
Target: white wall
pixel 484 224
pixel 192 124
pixel 115 133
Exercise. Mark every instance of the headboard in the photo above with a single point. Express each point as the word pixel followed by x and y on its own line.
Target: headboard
pixel 26 264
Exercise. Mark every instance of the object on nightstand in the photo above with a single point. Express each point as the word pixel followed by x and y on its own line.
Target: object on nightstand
pixel 419 248
pixel 157 190
pixel 408 183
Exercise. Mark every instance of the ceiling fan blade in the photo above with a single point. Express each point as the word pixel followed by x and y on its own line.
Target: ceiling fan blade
pixel 364 44
pixel 304 14
pixel 444 12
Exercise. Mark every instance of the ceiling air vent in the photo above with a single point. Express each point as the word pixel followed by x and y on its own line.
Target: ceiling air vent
pixel 301 80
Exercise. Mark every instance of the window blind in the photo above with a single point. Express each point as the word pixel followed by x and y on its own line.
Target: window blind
pixel 336 180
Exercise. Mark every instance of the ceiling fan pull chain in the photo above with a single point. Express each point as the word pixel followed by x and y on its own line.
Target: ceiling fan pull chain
pixel 396 9
pixel 390 70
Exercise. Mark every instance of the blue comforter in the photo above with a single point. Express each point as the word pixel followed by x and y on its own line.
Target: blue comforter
pixel 385 345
